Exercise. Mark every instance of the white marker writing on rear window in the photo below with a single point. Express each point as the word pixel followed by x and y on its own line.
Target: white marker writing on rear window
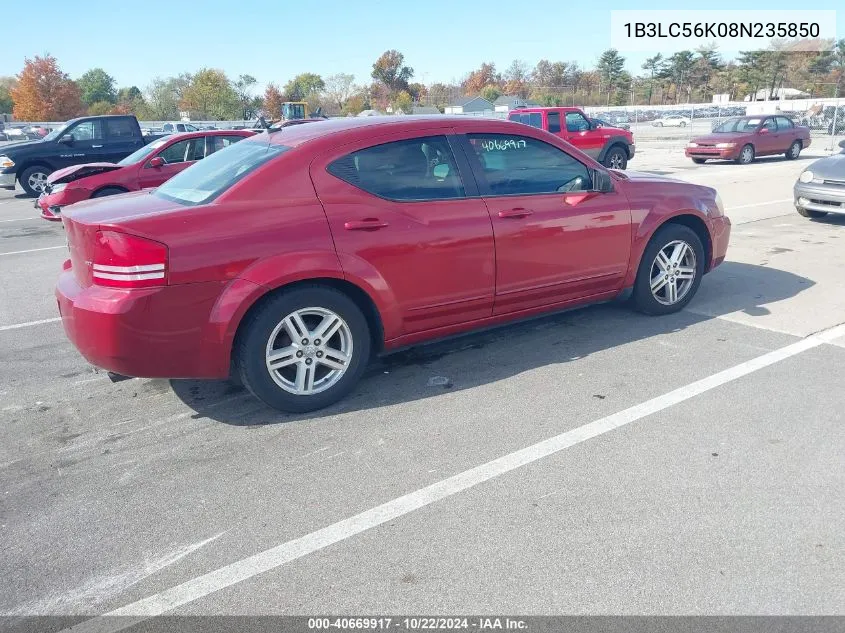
pixel 502 145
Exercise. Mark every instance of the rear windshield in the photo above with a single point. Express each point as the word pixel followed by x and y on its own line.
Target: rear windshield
pixel 142 153
pixel 208 178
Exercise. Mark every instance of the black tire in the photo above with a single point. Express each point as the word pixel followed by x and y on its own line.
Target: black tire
pixel 658 124
pixel 254 334
pixel 642 299
pixel 37 171
pixel 794 150
pixel 745 157
pixel 699 161
pixel 108 191
pixel 683 124
pixel 808 213
pixel 618 155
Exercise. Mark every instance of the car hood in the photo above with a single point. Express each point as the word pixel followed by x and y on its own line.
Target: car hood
pixel 642 176
pixel 75 172
pixel 117 209
pixel 830 168
pixel 17 146
pixel 726 137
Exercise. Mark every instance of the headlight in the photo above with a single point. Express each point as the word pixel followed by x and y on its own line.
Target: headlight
pixel 692 144
pixel 58 188
pixel 725 145
pixel 806 176
pixel 6 162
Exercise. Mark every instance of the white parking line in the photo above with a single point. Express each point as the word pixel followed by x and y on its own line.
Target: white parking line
pixel 34 250
pixel 20 219
pixel 17 326
pixel 277 556
pixel 758 204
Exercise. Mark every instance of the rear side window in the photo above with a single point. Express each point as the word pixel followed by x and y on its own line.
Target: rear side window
pixel 216 143
pixel 784 123
pixel 534 119
pixel 184 151
pixel 554 121
pixel 120 128
pixel 413 169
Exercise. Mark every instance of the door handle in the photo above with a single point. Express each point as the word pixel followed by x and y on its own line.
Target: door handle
pixel 515 213
pixel 369 224
pixel 96 146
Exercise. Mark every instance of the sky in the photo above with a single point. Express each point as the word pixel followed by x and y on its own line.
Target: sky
pixel 273 41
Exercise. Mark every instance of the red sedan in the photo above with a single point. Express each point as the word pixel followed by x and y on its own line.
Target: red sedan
pixel 290 258
pixel 149 167
pixel 745 138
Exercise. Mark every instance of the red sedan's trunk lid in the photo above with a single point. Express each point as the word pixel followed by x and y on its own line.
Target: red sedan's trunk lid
pixel 69 174
pixel 81 240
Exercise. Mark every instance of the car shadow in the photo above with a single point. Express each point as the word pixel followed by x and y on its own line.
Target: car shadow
pixel 485 357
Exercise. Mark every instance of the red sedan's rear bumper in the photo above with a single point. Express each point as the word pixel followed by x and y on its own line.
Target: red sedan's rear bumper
pixel 149 332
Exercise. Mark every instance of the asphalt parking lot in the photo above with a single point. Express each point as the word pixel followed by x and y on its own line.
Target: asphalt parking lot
pixel 594 462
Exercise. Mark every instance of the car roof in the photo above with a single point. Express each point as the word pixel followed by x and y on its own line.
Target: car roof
pixel 351 128
pixel 198 133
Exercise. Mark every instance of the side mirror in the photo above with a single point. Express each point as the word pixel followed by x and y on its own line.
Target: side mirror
pixel 156 161
pixel 602 182
pixel 764 130
pixel 66 139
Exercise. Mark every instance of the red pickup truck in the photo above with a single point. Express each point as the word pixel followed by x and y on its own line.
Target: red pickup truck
pixel 744 138
pixel 612 147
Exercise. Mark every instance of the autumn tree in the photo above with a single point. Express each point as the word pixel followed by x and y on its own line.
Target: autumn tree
pixel 440 94
pixel 163 97
pixel 391 71
pixel 44 93
pixel 97 85
pixel 99 108
pixel 516 79
pixel 338 89
pixel 273 99
pixel 302 86
pixel 548 74
pixel 6 103
pixel 491 92
pixel 354 104
pixel 210 96
pixel 243 87
pixel 403 103
pixel 477 79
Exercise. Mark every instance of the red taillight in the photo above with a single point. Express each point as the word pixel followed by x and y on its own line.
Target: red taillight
pixel 128 261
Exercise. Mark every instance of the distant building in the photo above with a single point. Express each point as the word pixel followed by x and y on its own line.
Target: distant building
pixel 469 105
pixel 764 94
pixel 425 110
pixel 506 103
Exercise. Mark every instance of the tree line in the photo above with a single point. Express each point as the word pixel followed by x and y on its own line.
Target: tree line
pixel 43 92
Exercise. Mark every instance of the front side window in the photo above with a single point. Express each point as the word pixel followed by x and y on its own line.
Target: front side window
pixel 413 169
pixel 207 179
pixel 770 125
pixel 518 165
pixel 575 122
pixel 88 131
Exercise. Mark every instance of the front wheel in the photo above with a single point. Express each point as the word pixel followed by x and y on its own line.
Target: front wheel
pixel 746 155
pixel 670 270
pixel 34 179
pixel 303 349
pixel 616 158
pixel 682 124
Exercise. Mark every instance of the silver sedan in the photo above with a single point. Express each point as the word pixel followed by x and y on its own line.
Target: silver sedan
pixel 820 188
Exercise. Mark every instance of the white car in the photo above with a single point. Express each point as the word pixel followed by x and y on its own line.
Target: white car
pixel 673 120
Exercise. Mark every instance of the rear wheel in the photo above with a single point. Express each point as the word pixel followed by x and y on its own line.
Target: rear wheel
pixel 807 213
pixel 658 124
pixel 746 155
pixel 34 179
pixel 670 270
pixel 616 158
pixel 699 161
pixel 794 150
pixel 683 124
pixel 303 349
pixel 108 191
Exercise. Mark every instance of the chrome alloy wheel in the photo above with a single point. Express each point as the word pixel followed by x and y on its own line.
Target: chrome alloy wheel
pixel 309 351
pixel 616 161
pixel 747 154
pixel 673 272
pixel 37 181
